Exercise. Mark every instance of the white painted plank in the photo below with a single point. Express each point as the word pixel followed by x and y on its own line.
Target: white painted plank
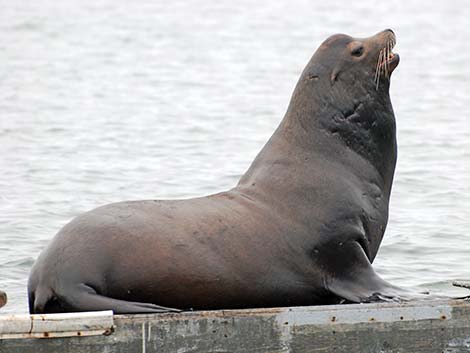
pixel 357 313
pixel 56 325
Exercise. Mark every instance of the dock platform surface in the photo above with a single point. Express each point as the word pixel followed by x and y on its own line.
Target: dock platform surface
pixel 413 327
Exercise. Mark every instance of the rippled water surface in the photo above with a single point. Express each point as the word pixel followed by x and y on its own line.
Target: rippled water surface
pixel 112 100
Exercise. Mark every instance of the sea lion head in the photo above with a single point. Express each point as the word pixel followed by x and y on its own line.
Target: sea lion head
pixel 359 63
pixel 344 91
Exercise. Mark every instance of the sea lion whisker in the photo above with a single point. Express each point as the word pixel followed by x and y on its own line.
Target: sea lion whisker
pixel 379 68
pixel 382 63
pixel 386 61
pixel 377 71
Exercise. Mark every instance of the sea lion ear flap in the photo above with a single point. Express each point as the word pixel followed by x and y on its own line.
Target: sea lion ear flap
pixel 334 75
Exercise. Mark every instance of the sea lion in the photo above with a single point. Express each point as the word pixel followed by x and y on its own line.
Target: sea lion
pixel 302 226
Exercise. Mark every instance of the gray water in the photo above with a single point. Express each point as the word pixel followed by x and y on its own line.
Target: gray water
pixel 111 100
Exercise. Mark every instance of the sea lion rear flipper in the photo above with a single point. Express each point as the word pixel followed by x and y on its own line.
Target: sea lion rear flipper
pixel 354 279
pixel 85 298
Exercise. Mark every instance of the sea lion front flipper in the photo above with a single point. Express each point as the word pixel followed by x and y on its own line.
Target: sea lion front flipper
pixel 353 278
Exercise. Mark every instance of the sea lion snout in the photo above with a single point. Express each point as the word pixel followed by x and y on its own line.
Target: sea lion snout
pixel 386 56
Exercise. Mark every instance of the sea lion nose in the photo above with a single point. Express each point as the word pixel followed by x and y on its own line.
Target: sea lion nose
pixel 389 30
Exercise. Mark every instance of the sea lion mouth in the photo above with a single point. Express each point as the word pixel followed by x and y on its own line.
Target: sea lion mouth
pixel 387 61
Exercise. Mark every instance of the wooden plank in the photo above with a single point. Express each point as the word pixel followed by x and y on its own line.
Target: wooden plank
pixel 418 327
pixel 56 325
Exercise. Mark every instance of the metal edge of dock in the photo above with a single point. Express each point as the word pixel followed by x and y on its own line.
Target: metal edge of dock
pixel 425 326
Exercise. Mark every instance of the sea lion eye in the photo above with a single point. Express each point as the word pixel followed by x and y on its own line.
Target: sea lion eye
pixel 358 51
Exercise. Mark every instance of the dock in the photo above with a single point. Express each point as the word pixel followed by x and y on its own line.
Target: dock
pixel 412 327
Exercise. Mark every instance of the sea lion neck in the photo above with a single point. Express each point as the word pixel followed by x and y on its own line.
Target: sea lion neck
pixel 320 123
pixel 358 118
